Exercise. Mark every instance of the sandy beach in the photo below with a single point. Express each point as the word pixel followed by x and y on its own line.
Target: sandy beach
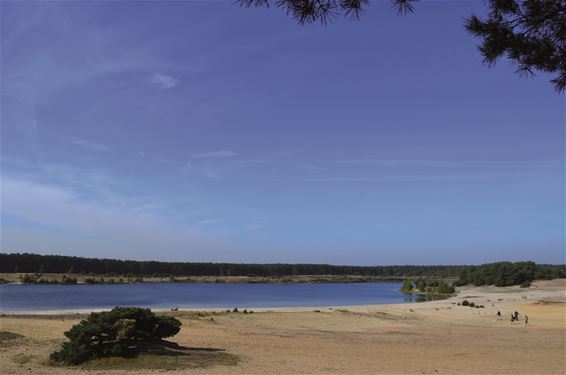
pixel 437 337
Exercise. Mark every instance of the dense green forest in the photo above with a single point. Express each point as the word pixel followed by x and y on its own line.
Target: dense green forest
pixel 507 273
pixel 34 263
pixel 500 274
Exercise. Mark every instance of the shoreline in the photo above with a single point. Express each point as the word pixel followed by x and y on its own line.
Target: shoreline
pixel 83 279
pixel 217 310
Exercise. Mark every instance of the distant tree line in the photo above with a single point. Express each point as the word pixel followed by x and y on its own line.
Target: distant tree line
pixel 499 274
pixel 507 273
pixel 34 263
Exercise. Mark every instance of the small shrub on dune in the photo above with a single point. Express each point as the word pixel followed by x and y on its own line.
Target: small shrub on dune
pixel 122 332
pixel 68 280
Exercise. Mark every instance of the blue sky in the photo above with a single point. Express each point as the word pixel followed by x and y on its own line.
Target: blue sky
pixel 201 131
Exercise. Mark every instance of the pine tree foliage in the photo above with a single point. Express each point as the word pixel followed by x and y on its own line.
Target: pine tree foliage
pixel 323 11
pixel 123 332
pixel 531 33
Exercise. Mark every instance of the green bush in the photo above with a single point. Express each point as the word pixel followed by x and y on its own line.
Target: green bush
pixel 465 303
pixel 123 331
pixel 526 284
pixel 68 280
pixel 30 279
pixel 407 286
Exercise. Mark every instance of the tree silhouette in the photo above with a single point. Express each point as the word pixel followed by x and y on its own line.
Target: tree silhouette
pixel 323 11
pixel 531 33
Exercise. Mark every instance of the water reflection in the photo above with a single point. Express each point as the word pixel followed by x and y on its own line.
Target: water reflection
pixel 411 298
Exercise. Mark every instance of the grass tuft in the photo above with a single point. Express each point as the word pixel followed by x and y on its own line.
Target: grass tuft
pixel 5 335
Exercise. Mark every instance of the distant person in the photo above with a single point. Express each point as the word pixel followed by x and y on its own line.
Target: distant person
pixel 498 315
pixel 526 319
pixel 512 318
pixel 516 316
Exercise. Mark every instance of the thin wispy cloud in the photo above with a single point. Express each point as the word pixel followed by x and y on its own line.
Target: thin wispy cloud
pixel 215 154
pixel 405 178
pixel 287 153
pixel 163 81
pixel 252 162
pixel 212 174
pixel 253 227
pixel 437 163
pixel 395 162
pixel 70 221
pixel 90 145
pixel 209 222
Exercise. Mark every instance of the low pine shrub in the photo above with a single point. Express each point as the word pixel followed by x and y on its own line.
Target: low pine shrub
pixel 123 332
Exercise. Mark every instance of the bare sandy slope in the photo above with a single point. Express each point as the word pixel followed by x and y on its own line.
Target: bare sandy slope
pixel 430 338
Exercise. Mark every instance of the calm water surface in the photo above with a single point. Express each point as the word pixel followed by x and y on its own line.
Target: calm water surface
pixel 14 297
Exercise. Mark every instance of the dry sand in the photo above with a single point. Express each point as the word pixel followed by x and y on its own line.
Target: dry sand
pixel 437 337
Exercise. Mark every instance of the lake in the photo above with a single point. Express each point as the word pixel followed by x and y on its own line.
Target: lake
pixel 36 298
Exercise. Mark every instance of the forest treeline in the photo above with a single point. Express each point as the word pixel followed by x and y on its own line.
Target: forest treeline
pixel 501 274
pixel 507 273
pixel 34 263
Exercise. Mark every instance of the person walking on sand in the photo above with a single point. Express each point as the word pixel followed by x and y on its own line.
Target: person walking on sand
pixel 498 315
pixel 526 319
pixel 516 315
